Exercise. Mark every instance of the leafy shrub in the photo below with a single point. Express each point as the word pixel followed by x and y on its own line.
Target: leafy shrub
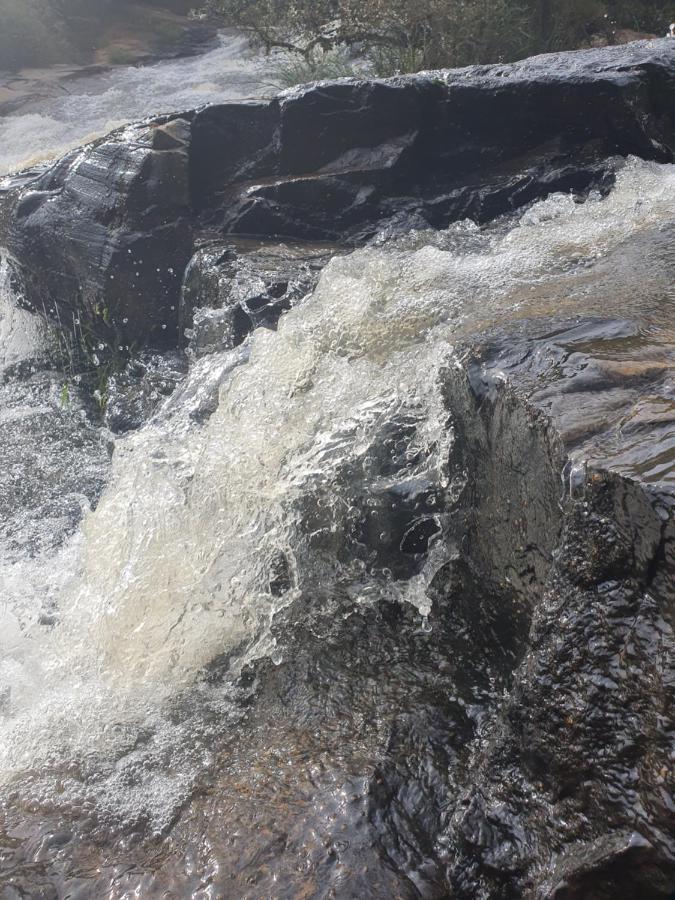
pixel 406 36
pixel 292 68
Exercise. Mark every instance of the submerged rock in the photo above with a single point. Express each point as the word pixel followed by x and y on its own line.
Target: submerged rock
pixel 54 463
pixel 232 287
pixel 133 394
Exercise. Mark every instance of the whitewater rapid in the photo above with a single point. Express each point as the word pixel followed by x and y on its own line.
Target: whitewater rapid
pixel 316 427
pixel 95 105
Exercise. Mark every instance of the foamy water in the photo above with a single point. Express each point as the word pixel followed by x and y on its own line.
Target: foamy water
pixel 96 105
pixel 316 426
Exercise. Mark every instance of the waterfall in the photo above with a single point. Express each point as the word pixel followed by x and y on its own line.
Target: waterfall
pixel 22 334
pixel 322 473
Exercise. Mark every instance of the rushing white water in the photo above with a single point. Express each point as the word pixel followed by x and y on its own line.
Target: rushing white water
pixel 20 332
pixel 96 104
pixel 317 426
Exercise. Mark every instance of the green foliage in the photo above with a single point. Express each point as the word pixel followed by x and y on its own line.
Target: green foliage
pixel 320 65
pixel 405 36
pixel 64 397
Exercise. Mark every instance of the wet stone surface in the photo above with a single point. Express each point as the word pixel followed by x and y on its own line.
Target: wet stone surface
pixel 236 286
pixel 511 744
pixel 105 235
pixel 343 792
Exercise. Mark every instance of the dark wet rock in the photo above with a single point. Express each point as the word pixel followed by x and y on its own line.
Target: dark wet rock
pixel 103 238
pixel 572 767
pixel 623 864
pixel 326 162
pixel 232 287
pixel 133 394
pixel 514 742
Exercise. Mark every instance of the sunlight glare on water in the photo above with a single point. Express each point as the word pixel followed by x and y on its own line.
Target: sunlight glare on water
pixel 94 105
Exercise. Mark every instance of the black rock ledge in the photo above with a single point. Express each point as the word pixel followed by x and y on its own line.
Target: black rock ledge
pixel 103 237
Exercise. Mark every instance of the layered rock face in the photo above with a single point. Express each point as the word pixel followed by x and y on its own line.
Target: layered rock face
pixel 104 236
pixel 564 772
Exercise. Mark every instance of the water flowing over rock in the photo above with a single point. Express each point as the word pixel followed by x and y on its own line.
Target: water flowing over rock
pixel 111 228
pixel 378 598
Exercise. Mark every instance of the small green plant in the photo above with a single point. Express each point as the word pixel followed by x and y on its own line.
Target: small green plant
pixel 101 392
pixel 64 396
pixel 320 65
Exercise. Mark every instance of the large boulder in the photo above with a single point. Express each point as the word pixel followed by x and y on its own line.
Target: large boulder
pixel 581 734
pixel 105 235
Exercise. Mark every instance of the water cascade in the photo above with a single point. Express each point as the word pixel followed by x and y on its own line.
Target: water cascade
pixel 313 628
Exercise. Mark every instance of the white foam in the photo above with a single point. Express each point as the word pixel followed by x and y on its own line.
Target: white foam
pixel 173 567
pixel 96 104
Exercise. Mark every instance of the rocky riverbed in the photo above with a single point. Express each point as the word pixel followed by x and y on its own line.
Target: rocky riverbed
pixel 369 585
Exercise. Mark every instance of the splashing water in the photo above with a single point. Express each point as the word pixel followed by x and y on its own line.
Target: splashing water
pixel 21 334
pixel 96 104
pixel 210 525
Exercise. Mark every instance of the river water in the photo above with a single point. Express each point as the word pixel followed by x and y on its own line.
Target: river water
pixel 113 610
pixel 94 105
